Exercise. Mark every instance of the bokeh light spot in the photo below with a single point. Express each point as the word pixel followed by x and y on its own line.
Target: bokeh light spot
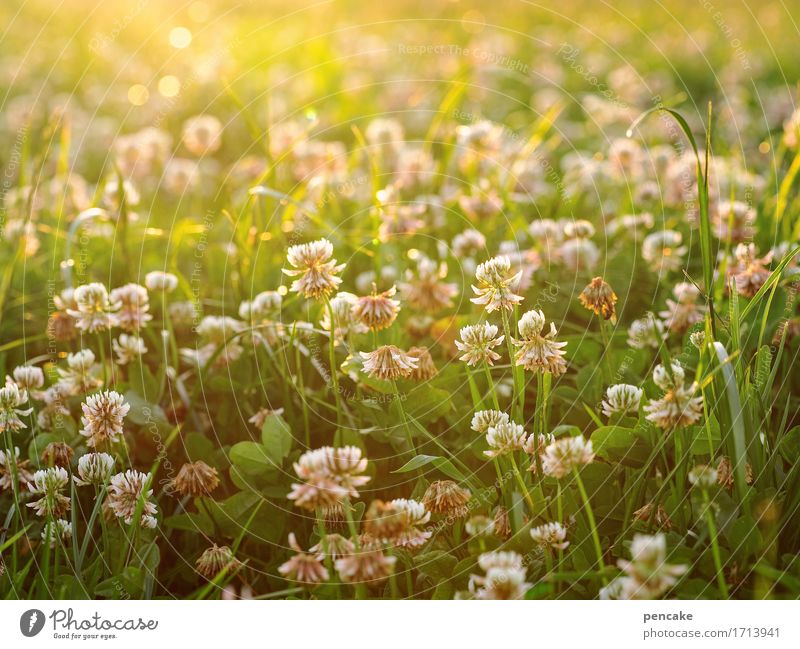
pixel 180 37
pixel 169 86
pixel 138 94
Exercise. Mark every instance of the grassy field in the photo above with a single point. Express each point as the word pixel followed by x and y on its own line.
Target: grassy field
pixel 433 300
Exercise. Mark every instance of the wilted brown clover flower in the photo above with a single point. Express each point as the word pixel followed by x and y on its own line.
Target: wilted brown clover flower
pixel 389 363
pixel 378 310
pixel 600 298
pixel 7 472
pixel 196 479
pixel 660 516
pixel 57 454
pixel 447 498
pixel 216 559
pixel 314 268
pixel 425 369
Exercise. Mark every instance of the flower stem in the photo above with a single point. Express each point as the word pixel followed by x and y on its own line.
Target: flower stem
pixel 515 403
pixel 592 523
pixel 332 360
pixel 712 532
pixel 525 493
pixel 404 417
pixel 492 389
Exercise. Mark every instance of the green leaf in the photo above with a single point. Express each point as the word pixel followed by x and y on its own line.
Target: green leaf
pixel 143 413
pixel 129 584
pixel 276 436
pixel 426 404
pixel 789 446
pixel 621 445
pixel 198 447
pixel 442 463
pixel 436 564
pixel 142 380
pixel 744 539
pixel 252 458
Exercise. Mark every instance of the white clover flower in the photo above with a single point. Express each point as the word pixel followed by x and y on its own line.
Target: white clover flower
pixel 49 483
pixel 703 476
pixel 345 321
pixel 52 531
pixel 580 229
pixel 262 307
pixel 684 311
pixel 468 243
pixel 102 418
pixel 646 332
pixel 94 309
pixel 621 398
pixel 698 339
pixel 647 574
pixel 478 342
pixel 157 280
pixel 504 579
pixel 678 407
pixel 663 250
pixel 28 377
pixel 134 304
pixel 483 420
pixel 202 134
pixel 551 536
pixel 663 379
pixel 505 438
pixel 538 353
pixel 94 469
pixel 11 398
pixel 314 268
pixel 378 310
pixel 495 279
pixel 128 348
pixel 81 374
pixel 578 253
pixel 566 454
pixel 125 493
